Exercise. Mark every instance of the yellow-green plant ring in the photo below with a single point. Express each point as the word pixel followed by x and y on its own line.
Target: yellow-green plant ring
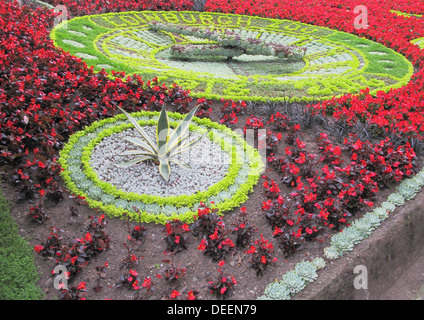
pixel 335 63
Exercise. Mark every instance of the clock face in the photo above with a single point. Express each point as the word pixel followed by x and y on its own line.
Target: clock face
pixel 335 63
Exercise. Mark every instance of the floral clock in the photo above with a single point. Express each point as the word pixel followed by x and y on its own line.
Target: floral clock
pixel 335 63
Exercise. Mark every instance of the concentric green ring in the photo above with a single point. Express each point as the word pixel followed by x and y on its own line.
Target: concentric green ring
pixel 336 62
pixel 243 173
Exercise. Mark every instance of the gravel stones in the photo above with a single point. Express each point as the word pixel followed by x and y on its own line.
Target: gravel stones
pixel 224 170
pixel 209 164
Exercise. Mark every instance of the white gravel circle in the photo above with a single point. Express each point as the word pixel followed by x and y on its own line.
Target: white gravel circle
pixel 209 165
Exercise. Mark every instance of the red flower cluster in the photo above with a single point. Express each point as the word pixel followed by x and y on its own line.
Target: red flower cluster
pixel 223 285
pixel 231 110
pixel 74 292
pixel 84 7
pixel 327 195
pixel 171 273
pixel 254 123
pixel 278 121
pixel 46 95
pixel 204 108
pixel 175 235
pixel 243 229
pixel 78 254
pixel 261 255
pixel 130 280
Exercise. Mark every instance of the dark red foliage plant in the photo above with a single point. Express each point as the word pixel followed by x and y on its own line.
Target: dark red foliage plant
pixel 49 248
pixel 261 252
pixel 170 272
pixel 37 214
pixel 223 285
pixel 130 260
pixel 243 229
pixel 130 280
pixel 176 235
pixel 217 246
pixel 204 108
pixel 287 241
pixel 206 221
pixel 74 293
pixel 137 234
pixel 101 274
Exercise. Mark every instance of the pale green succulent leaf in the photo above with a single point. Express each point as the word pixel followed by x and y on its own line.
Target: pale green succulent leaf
pixel 139 129
pixel 181 129
pixel 140 143
pixel 164 169
pixel 188 146
pixel 162 131
pixel 177 145
pixel 138 153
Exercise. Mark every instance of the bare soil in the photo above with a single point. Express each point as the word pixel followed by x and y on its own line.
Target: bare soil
pixel 408 285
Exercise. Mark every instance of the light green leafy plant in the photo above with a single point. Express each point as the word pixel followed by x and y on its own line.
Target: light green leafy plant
pixel 408 189
pixel 381 212
pixel 167 146
pixel 419 178
pixel 363 226
pixel 390 207
pixel 319 263
pixel 341 243
pixel 277 291
pixel 353 235
pixel 306 270
pixel 294 282
pixel 331 253
pixel 168 210
pixel 373 219
pixel 396 198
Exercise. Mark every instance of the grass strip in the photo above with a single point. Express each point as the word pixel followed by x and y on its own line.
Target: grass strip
pixel 18 272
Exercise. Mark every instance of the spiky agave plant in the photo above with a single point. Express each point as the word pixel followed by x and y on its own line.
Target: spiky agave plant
pixel 167 146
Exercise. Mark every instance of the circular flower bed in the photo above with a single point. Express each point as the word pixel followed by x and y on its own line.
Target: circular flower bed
pixel 208 165
pixel 335 63
pixel 88 174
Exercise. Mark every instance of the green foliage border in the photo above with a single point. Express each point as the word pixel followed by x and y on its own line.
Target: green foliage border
pixel 255 164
